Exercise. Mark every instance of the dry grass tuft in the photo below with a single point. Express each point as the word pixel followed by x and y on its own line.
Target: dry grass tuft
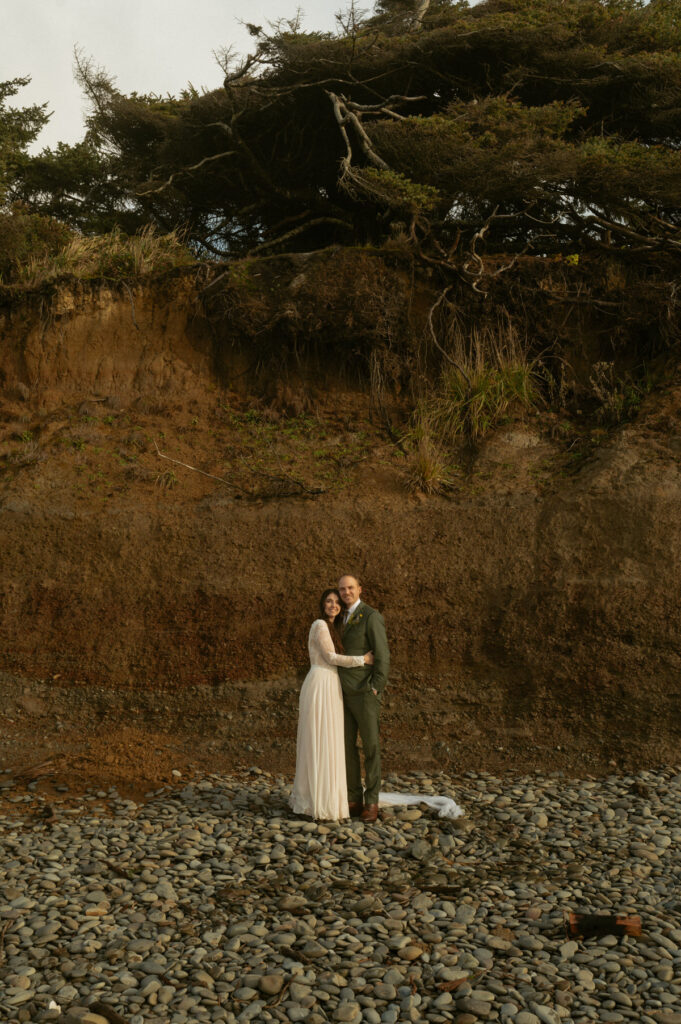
pixel 428 471
pixel 114 256
pixel 29 453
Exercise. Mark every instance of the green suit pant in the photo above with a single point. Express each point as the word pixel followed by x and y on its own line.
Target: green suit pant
pixel 361 715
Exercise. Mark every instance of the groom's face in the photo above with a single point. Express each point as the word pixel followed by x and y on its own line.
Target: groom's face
pixel 349 590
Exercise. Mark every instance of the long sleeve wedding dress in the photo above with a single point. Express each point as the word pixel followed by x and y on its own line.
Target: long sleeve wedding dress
pixel 320 786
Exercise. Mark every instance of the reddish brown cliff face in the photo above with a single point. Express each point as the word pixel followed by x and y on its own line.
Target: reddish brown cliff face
pixel 533 612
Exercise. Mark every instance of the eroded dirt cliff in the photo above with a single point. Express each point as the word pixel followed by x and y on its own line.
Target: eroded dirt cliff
pixel 532 610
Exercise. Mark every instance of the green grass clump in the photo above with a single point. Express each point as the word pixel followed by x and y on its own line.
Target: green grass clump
pixel 468 407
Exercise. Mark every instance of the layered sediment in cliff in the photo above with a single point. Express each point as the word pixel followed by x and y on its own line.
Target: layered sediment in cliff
pixel 529 608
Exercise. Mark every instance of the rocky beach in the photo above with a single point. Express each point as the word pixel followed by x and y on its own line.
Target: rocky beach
pixel 209 901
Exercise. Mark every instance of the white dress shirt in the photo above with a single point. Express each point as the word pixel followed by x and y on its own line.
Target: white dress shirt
pixel 350 611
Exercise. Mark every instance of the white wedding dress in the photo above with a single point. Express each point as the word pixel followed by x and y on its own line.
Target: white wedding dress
pixel 320 787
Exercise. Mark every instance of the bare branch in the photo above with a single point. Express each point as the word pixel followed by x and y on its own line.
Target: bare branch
pixel 253 60
pixel 509 265
pixel 346 116
pixel 437 344
pixel 651 241
pixel 365 143
pixel 186 170
pixel 299 231
pixel 381 107
pixel 473 255
pixel 667 225
pixel 347 159
pixel 177 462
pixel 266 179
pixel 420 13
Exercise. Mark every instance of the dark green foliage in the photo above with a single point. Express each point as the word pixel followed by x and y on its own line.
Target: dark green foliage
pixel 485 153
pixel 542 126
pixel 19 127
pixel 78 185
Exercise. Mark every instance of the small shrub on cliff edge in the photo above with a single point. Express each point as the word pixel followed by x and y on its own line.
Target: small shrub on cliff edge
pixel 618 399
pixel 28 236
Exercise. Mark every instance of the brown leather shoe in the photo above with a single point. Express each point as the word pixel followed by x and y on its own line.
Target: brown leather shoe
pixel 356 809
pixel 370 813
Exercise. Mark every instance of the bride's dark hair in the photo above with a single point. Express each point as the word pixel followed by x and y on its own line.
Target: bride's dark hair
pixel 335 626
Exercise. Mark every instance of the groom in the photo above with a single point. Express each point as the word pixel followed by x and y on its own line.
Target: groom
pixel 363 631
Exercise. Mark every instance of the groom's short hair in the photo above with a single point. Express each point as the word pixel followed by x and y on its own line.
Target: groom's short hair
pixel 352 577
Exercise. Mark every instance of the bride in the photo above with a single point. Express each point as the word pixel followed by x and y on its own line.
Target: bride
pixel 320 786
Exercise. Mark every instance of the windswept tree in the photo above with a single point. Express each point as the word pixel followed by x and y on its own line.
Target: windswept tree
pixel 454 132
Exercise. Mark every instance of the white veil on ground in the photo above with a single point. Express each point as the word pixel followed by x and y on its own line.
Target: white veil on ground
pixel 444 805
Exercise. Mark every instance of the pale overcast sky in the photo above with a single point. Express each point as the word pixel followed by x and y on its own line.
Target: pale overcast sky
pixel 147 45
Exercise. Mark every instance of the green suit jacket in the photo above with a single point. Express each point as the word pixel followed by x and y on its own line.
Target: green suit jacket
pixel 364 632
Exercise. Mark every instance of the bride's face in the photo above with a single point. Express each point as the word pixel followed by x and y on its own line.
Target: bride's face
pixel 331 606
